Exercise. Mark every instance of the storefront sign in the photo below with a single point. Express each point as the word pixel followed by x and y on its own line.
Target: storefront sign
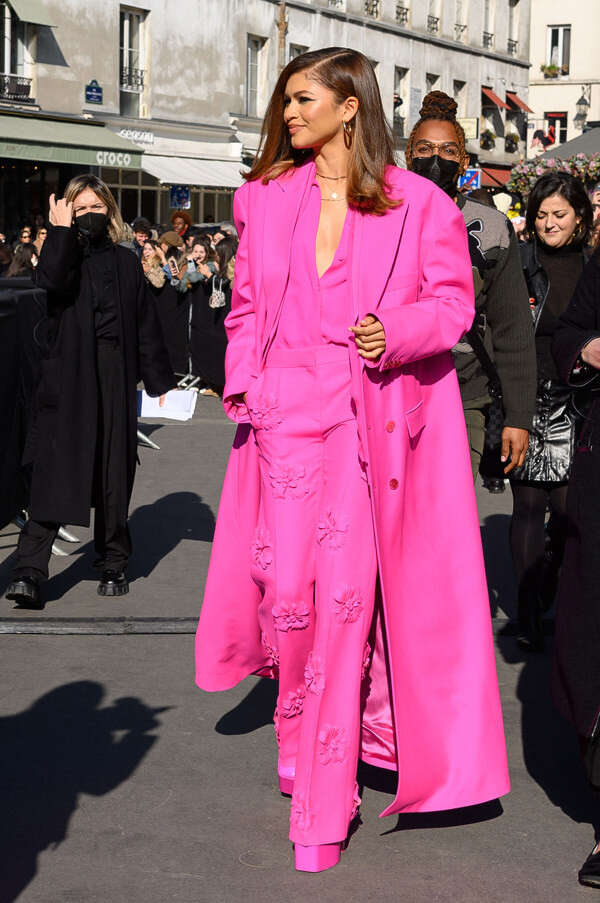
pixel 137 136
pixel 93 92
pixel 180 197
pixel 113 158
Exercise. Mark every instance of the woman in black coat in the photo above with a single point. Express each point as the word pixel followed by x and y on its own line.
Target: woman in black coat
pixel 208 337
pixel 559 220
pixel 576 664
pixel 102 337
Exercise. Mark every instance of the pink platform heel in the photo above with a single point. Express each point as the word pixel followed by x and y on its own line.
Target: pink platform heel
pixel 286 778
pixel 316 858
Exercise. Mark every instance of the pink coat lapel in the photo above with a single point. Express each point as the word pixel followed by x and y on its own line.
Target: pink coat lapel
pixel 375 248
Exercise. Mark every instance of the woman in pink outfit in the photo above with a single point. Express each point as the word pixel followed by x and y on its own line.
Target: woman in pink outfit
pixel 350 470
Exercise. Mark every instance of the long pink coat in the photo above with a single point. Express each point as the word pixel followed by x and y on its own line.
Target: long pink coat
pixel 410 268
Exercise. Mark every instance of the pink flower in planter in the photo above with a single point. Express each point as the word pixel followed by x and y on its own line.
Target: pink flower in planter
pixel 314 674
pixel 262 551
pixel 333 744
pixel 348 605
pixel 293 703
pixel 290 616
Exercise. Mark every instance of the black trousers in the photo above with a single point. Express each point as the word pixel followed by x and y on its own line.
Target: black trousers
pixel 111 534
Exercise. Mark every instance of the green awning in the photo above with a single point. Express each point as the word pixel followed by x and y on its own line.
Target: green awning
pixel 33 11
pixel 53 141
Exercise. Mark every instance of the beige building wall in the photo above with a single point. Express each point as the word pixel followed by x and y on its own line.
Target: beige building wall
pixel 560 94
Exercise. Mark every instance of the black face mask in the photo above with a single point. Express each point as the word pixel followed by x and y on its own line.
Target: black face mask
pixel 442 172
pixel 91 225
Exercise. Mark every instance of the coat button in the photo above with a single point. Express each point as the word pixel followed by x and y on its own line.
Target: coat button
pixel 390 426
pixel 393 484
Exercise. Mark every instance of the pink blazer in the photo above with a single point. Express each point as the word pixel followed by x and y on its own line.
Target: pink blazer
pixel 411 268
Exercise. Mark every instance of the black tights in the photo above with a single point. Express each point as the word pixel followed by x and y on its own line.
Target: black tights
pixel 527 535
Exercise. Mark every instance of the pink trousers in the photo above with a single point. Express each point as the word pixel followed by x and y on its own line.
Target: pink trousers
pixel 314 559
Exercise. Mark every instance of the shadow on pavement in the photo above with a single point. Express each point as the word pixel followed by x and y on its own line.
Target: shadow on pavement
pixel 498 564
pixel 62 746
pixel 253 712
pixel 550 745
pixel 156 530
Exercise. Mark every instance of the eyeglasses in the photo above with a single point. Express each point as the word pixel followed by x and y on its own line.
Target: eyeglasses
pixel 446 149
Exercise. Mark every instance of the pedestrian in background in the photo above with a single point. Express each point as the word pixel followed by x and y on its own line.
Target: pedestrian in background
pixel 181 222
pixel 497 355
pixel 142 230
pixel 103 338
pixel 152 265
pixel 24 237
pixel 595 201
pixel 24 261
pixel 40 237
pixel 350 469
pixel 559 221
pixel 576 663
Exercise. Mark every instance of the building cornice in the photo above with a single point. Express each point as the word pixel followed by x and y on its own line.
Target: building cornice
pixel 410 34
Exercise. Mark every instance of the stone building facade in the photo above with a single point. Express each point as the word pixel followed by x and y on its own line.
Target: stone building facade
pixel 157 93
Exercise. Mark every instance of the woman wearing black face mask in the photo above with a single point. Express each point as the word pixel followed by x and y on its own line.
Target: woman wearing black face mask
pixel 102 337
pixel 436 150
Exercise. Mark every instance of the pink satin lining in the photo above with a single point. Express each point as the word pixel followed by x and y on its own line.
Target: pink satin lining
pixel 377 741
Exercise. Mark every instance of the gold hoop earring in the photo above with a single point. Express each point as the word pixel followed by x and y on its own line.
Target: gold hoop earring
pixel 347 135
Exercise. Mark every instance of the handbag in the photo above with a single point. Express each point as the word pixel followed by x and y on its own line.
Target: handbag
pixel 495 415
pixel 217 297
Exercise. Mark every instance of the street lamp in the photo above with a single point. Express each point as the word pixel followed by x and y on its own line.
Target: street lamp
pixel 582 106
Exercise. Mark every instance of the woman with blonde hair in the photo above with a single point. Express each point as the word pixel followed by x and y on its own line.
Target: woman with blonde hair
pixel 102 337
pixel 350 470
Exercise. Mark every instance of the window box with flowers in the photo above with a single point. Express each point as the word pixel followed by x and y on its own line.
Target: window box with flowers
pixel 553 71
pixel 487 139
pixel 511 143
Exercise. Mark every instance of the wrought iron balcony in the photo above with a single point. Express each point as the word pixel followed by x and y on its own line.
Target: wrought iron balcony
pixel 16 88
pixel 512 47
pixel 433 24
pixel 488 39
pixel 132 79
pixel 372 8
pixel 459 31
pixel 402 14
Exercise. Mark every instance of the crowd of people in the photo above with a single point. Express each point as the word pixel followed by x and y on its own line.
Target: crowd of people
pixel 343 397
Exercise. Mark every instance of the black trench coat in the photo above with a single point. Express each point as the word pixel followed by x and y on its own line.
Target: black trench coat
pixel 61 442
pixel 576 665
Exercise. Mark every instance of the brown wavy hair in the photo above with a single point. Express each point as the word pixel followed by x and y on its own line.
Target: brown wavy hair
pixel 116 226
pixel 441 107
pixel 347 73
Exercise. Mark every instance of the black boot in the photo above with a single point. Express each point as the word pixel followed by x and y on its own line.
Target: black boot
pixel 589 873
pixel 494 484
pixel 113 583
pixel 25 591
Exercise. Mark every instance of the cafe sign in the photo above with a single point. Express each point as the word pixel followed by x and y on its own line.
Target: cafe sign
pixel 113 158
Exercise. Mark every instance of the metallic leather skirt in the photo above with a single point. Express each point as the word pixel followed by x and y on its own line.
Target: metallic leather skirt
pixel 552 437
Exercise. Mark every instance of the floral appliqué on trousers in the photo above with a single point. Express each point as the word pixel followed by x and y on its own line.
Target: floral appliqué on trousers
pixel 314 674
pixel 330 530
pixel 293 703
pixel 262 551
pixel 288 482
pixel 264 413
pixel 301 816
pixel 290 616
pixel 348 605
pixel 333 744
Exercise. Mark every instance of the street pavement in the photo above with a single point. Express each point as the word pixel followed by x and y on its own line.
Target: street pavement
pixel 124 783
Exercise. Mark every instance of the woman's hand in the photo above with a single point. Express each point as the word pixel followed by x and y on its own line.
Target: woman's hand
pixel 515 443
pixel 61 213
pixel 205 270
pixel 369 336
pixel 591 354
